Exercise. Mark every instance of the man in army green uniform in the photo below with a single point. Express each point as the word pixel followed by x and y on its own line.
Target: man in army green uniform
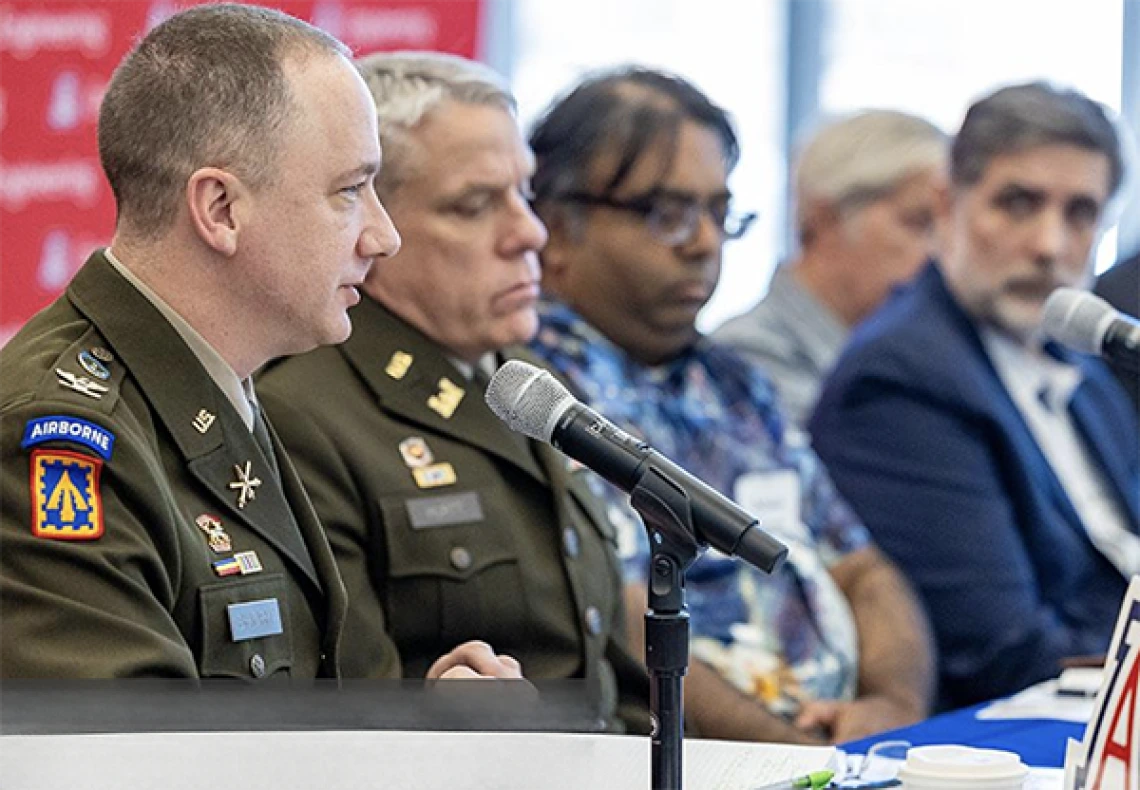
pixel 446 525
pixel 152 524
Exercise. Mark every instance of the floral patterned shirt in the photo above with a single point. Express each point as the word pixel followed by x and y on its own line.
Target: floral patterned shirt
pixel 782 637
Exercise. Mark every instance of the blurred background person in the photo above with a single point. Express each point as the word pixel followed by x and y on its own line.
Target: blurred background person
pixel 446 525
pixel 631 177
pixel 865 188
pixel 1001 474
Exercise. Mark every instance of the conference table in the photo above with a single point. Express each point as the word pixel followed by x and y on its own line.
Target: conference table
pixel 1040 742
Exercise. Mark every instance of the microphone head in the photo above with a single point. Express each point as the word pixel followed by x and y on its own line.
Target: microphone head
pixel 1077 319
pixel 528 399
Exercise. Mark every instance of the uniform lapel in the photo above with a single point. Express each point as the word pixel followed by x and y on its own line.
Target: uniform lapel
pixel 179 389
pixel 377 336
pixel 317 542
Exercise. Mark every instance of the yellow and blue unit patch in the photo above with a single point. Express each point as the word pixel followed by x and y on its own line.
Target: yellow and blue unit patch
pixel 66 501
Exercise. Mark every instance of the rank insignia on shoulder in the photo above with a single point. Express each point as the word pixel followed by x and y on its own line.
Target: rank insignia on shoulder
pixel 399 365
pixel 80 384
pixel 447 400
pixel 66 501
pixel 59 427
pixel 415 452
pixel 435 475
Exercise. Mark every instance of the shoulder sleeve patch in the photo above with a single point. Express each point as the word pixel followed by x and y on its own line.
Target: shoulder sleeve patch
pixel 66 501
pixel 60 427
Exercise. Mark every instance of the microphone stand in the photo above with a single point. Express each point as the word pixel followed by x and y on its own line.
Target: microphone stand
pixel 664 507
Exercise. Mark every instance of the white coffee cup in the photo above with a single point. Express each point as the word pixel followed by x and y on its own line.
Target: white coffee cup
pixel 962 768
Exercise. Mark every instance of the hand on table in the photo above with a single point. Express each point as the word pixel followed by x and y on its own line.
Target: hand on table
pixel 474 660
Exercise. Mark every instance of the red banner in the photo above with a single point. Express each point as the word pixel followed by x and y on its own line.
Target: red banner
pixel 55 61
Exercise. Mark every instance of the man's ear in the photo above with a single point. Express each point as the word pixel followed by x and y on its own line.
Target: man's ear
pixel 818 217
pixel 217 200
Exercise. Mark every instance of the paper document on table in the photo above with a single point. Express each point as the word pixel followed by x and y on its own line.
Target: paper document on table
pixel 368 760
pixel 1041 702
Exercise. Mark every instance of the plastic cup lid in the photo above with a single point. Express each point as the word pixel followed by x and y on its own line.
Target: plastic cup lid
pixel 961 762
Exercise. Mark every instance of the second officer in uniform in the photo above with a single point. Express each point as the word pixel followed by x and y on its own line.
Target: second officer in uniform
pixel 445 524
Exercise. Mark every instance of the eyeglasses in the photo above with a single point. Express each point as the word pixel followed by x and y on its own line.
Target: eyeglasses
pixel 674 217
pixel 877 769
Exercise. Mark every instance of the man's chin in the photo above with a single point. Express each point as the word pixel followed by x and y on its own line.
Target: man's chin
pixel 1019 317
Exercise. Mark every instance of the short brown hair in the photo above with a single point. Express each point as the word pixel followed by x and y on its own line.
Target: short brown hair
pixel 204 88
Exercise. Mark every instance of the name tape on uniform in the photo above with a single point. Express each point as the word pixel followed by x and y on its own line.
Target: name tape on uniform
pixel 442 511
pixel 69 429
pixel 254 619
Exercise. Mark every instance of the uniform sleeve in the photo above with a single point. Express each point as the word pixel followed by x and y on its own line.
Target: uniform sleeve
pixel 927 485
pixel 366 648
pixel 89 560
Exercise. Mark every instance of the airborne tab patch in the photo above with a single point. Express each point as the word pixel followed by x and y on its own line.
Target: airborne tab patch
pixel 69 429
pixel 66 501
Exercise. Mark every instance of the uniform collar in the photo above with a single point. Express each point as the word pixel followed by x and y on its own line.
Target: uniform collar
pixel 239 393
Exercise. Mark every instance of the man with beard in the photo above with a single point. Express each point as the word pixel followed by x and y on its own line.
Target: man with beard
pixel 999 471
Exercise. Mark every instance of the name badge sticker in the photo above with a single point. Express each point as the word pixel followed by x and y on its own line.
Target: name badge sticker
pixel 774 498
pixel 255 619
pixel 60 427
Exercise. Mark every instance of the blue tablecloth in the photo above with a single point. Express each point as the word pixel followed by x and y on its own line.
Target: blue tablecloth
pixel 1040 742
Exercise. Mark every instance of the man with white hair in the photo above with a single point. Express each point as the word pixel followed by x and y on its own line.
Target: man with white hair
pixel 865 188
pixel 448 526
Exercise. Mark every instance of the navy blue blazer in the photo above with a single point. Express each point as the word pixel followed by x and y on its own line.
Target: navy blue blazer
pixel 924 441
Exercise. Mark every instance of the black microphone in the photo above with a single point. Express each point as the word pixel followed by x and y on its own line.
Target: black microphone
pixel 1085 322
pixel 531 401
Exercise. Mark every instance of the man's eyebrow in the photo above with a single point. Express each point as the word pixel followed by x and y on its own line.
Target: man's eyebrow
pixel 1017 188
pixel 366 169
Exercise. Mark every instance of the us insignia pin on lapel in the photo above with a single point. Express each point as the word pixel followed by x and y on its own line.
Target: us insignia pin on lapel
pixel 80 384
pixel 415 452
pixel 245 484
pixel 399 365
pixel 203 421
pixel 434 476
pixel 447 400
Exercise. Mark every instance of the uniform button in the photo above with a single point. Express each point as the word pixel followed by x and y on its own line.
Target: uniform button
pixel 257 665
pixel 570 542
pixel 593 620
pixel 460 558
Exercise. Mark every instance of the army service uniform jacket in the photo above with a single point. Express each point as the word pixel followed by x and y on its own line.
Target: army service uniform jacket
pixel 135 541
pixel 447 526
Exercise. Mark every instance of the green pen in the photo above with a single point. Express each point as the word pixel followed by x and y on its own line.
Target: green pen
pixel 816 780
